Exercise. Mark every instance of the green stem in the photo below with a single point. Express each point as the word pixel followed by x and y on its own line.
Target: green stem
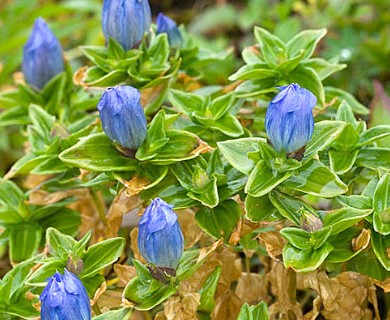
pixel 100 207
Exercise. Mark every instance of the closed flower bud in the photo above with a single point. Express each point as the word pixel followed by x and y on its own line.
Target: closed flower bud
pixel 168 26
pixel 65 298
pixel 160 239
pixel 42 56
pixel 126 21
pixel 289 120
pixel 122 116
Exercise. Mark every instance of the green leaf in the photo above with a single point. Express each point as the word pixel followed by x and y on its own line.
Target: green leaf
pixel 96 152
pixel 11 196
pixel 101 255
pixel 342 219
pixel 316 179
pixel 308 79
pixel 345 113
pixel 356 106
pixel 325 132
pixel 342 161
pixel 24 241
pixel 114 50
pixel 297 237
pixel 342 246
pixel 186 102
pixel 355 201
pixel 373 134
pixel 207 291
pixel 272 48
pixel 380 244
pixel 59 244
pixel 305 260
pixel 262 180
pixel 121 314
pixel 347 140
pixel 45 271
pixel 374 158
pixel 289 207
pixel 381 201
pixel 322 67
pixel 236 152
pixel 256 312
pixel 256 71
pixel 306 41
pixel 98 55
pixel 260 209
pixel 42 121
pixel 145 291
pixel 219 222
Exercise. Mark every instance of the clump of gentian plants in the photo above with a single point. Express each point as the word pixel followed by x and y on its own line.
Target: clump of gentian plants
pixel 147 189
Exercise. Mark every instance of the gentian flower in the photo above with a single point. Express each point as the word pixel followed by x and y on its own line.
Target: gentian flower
pixel 168 26
pixel 160 239
pixel 126 21
pixel 289 120
pixel 42 56
pixel 122 116
pixel 65 298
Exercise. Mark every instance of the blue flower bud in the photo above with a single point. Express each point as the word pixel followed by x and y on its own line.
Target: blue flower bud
pixel 168 26
pixel 126 21
pixel 289 120
pixel 122 116
pixel 160 239
pixel 42 56
pixel 65 298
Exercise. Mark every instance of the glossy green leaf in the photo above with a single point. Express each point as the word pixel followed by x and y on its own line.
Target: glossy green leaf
pixel 297 237
pixel 96 152
pixel 306 40
pixel 322 67
pixel 236 152
pixel 289 207
pixel 325 132
pixel 145 291
pixel 207 291
pixel 374 134
pixel 45 271
pixel 59 244
pixel 374 158
pixel 305 260
pixel 262 180
pixel 101 255
pixel 24 241
pixel 381 244
pixel 342 161
pixel 272 48
pixel 342 219
pixel 220 221
pixel 256 71
pixel 381 203
pixel 316 179
pixel 260 209
pixel 357 107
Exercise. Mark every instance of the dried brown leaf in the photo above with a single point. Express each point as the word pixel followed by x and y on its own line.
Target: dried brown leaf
pixel 273 243
pixel 120 205
pixel 134 245
pixel 362 240
pixel 251 288
pixel 283 287
pixel 99 292
pixel 125 273
pixel 191 231
pixel 227 307
pixel 182 307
